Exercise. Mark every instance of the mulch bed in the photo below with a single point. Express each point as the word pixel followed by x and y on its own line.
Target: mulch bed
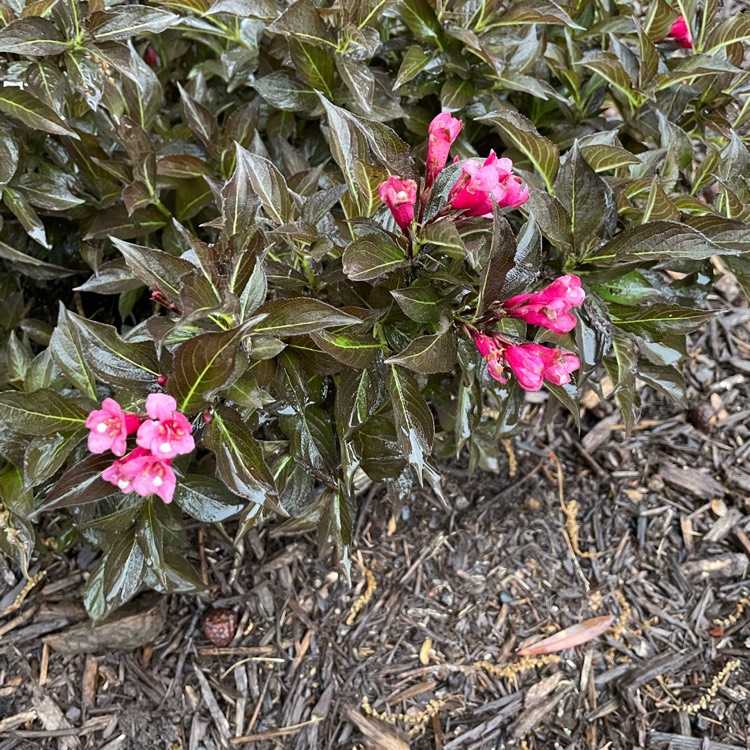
pixel 652 528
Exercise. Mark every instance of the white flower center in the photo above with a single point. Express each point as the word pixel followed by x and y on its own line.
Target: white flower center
pixel 165 447
pixel 123 484
pixel 402 196
pixel 158 482
pixel 101 427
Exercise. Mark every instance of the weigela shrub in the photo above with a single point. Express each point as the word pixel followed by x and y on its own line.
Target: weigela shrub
pixel 276 284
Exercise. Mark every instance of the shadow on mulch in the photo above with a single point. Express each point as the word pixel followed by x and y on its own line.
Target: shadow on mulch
pixel 652 528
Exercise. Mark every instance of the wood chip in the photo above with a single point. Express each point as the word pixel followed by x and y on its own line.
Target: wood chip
pixel 129 628
pixel 12 722
pixel 377 734
pixel 88 690
pixel 534 713
pixel 213 707
pixel 52 718
pixel 731 565
pixel 694 481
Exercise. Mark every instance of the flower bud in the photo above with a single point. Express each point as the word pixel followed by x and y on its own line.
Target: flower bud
pixel 443 131
pixel 400 196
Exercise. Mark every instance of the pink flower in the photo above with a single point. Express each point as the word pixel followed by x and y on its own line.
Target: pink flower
pixel 143 473
pixel 167 433
pixel 443 130
pixel 549 307
pixel 680 32
pixel 110 427
pixel 478 184
pixel 527 363
pixel 558 364
pixel 118 473
pixel 400 196
pixel 492 350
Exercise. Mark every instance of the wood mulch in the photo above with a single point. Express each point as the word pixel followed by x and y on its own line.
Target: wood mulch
pixel 653 528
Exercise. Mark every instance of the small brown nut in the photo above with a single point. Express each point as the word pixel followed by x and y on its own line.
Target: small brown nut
pixel 219 626
pixel 699 415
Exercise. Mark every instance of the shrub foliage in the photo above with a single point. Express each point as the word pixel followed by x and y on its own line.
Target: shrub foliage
pixel 213 168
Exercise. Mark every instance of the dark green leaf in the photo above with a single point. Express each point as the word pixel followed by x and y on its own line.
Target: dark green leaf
pixel 371 256
pixel 311 439
pixel 158 270
pixel 314 65
pixel 46 454
pixel 353 350
pixel 43 412
pixel 552 218
pixel 33 37
pixel 285 92
pixel 428 354
pixel 420 303
pixel 32 112
pixel 239 458
pixel 587 199
pixel 521 133
pixel 302 21
pixel 268 184
pixel 657 240
pixel 655 321
pixel 114 361
pixel 117 578
pixel 202 366
pixel 81 484
pixel 67 350
pixel 295 317
pixel 206 499
pixel 124 22
pixel 415 428
pixel 622 367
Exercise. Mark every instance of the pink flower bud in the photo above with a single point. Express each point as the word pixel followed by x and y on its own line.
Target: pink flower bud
pixel 161 381
pixel 549 307
pixel 479 184
pixel 527 364
pixel 150 57
pixel 680 32
pixel 400 196
pixel 109 428
pixel 443 131
pixel 168 433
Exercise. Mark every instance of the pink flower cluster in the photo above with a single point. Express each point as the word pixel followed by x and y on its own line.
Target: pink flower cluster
pixel 549 307
pixel 479 186
pixel 532 364
pixel 147 469
pixel 680 32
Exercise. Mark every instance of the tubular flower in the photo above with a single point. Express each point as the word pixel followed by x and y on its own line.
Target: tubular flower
pixel 549 307
pixel 443 131
pixel 400 196
pixel 478 184
pixel 558 364
pixel 119 474
pixel 492 351
pixel 680 32
pixel 526 362
pixel 109 428
pixel 143 473
pixel 532 364
pixel 168 433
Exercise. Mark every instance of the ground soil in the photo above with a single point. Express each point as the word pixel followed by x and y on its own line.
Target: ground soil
pixel 650 528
